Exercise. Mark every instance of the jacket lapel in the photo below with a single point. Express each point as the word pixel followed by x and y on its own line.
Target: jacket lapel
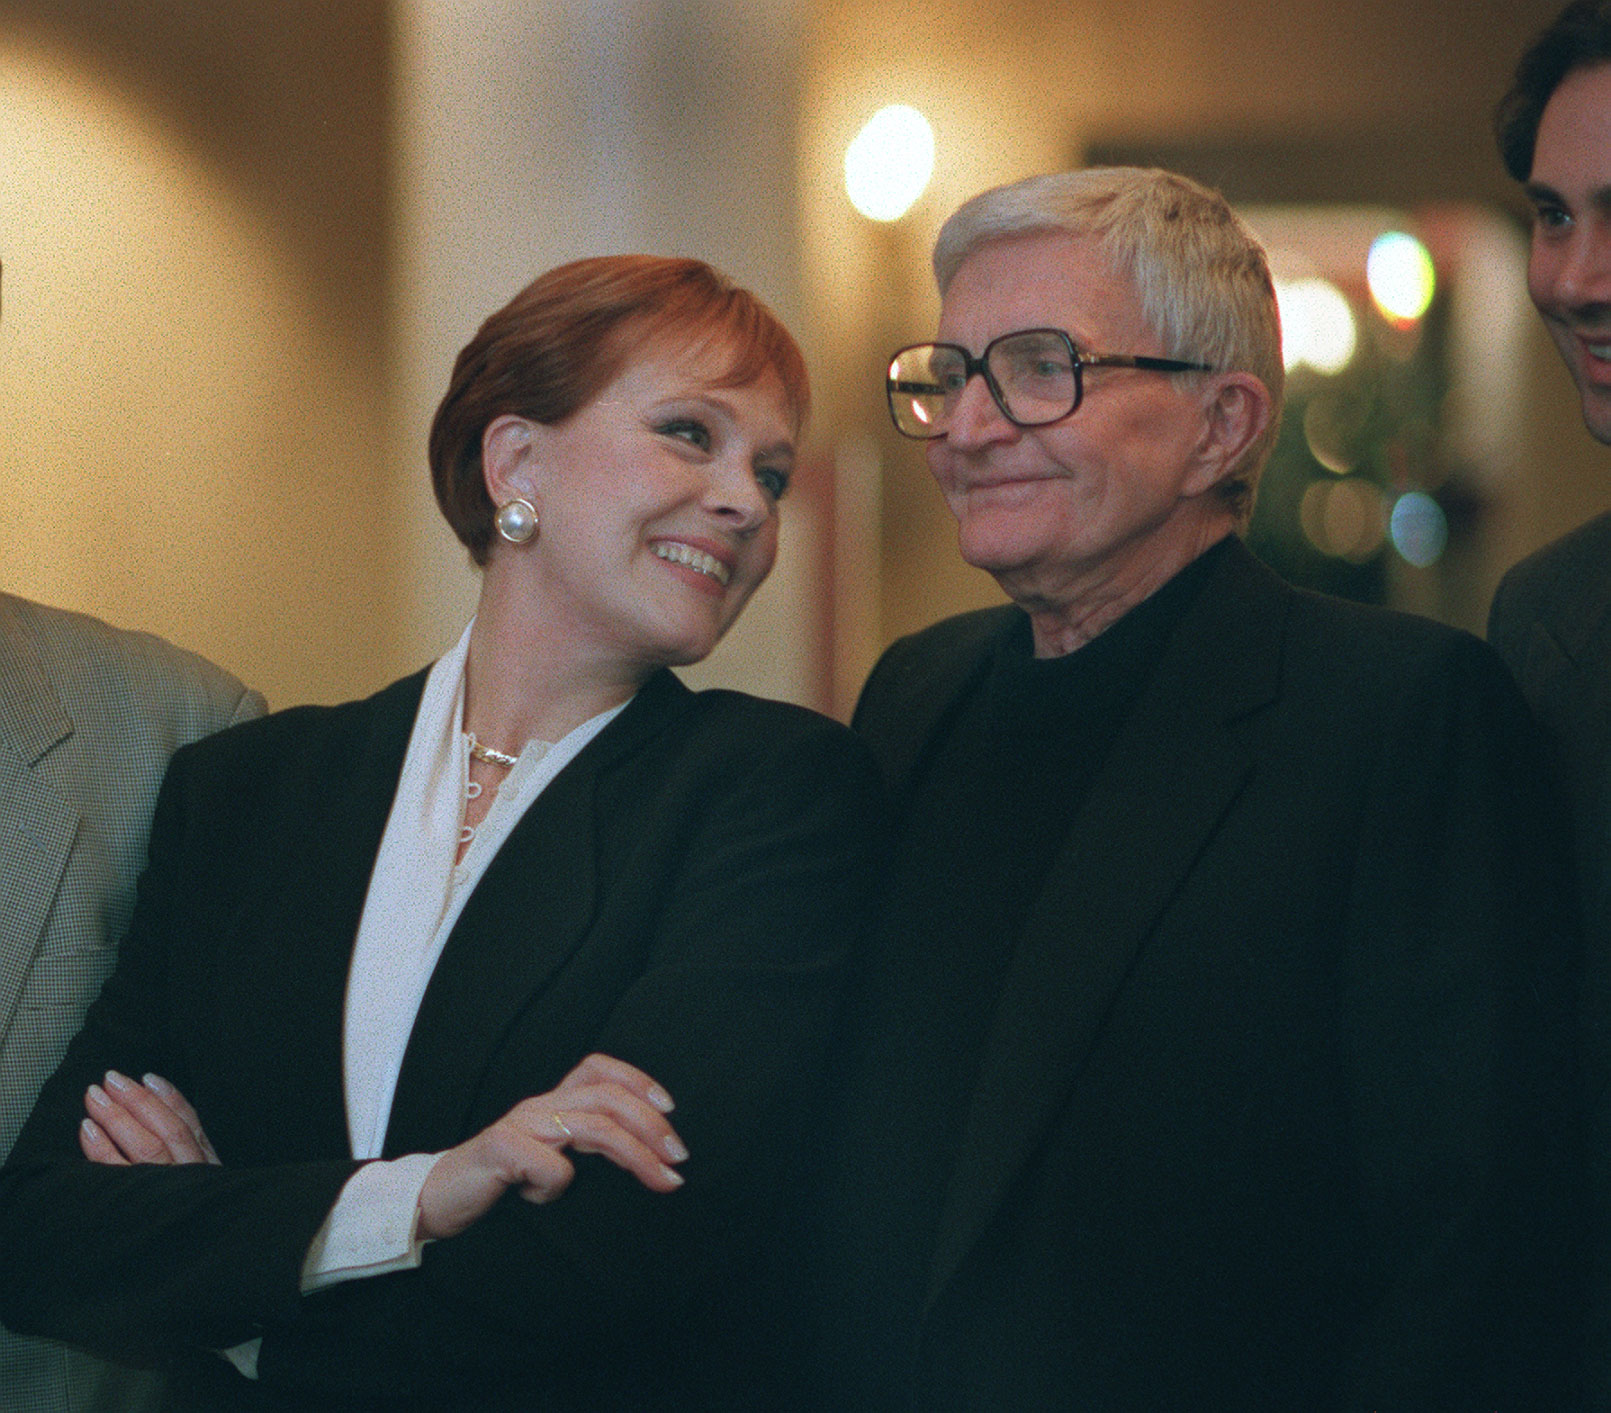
pixel 1580 615
pixel 918 687
pixel 37 826
pixel 286 974
pixel 529 913
pixel 1169 780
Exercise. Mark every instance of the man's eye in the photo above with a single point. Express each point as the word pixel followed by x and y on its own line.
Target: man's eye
pixel 774 480
pixel 1551 218
pixel 693 432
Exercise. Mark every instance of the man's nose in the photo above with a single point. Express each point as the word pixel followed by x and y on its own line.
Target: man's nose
pixel 975 417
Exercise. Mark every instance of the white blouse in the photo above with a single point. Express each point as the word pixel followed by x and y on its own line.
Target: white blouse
pixel 415 896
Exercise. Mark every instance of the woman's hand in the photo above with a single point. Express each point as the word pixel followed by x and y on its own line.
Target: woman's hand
pixel 145 1122
pixel 602 1106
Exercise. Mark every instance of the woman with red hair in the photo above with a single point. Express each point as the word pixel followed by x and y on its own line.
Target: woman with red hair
pixel 466 1039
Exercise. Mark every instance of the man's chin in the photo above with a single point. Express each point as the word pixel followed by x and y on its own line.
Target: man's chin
pixel 1597 414
pixel 993 558
pixel 1001 543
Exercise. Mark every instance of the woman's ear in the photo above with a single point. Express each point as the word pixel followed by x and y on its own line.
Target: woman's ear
pixel 508 460
pixel 1237 409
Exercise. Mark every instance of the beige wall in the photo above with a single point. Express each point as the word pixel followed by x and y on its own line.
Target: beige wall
pixel 192 226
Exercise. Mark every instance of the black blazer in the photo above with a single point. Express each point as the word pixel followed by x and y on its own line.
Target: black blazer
pixel 682 896
pixel 1272 1109
pixel 1551 622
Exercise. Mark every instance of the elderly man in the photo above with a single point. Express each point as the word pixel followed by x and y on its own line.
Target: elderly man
pixel 1210 1053
pixel 1551 618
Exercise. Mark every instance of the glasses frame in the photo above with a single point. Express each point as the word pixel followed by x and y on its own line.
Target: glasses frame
pixel 1078 359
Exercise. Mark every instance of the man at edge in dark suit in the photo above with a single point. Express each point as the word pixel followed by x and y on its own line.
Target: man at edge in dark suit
pixel 1551 619
pixel 1211 1051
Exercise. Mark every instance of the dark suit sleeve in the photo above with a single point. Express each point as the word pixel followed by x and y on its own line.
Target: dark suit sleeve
pixel 1555 597
pixel 1456 1006
pixel 613 1287
pixel 137 1263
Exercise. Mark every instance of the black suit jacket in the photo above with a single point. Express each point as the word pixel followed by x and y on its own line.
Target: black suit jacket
pixel 682 896
pixel 1271 1114
pixel 1551 622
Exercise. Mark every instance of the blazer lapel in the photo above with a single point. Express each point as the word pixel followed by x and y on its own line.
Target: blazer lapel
pixel 529 913
pixel 1170 778
pixel 1579 621
pixel 916 692
pixel 38 827
pixel 287 972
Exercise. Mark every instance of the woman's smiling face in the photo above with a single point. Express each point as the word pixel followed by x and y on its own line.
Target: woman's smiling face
pixel 658 505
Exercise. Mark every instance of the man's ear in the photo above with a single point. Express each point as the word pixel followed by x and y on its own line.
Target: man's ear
pixel 508 459
pixel 1237 409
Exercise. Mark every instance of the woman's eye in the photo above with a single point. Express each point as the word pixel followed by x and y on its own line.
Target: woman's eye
pixel 693 432
pixel 774 480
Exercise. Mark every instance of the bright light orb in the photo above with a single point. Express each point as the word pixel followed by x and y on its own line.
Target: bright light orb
pixel 1419 528
pixel 1317 326
pixel 889 163
pixel 1401 277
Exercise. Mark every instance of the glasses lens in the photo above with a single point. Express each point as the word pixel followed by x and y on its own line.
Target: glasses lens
pixel 923 384
pixel 1036 373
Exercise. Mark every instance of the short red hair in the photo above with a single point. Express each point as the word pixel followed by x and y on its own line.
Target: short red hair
pixel 559 342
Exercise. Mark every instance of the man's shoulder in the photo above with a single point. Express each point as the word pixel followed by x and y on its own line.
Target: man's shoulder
pixel 1566 586
pixel 96 668
pixel 1365 632
pixel 945 647
pixel 313 737
pixel 1581 551
pixel 964 632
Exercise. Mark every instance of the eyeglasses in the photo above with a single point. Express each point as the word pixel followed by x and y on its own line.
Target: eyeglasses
pixel 1035 376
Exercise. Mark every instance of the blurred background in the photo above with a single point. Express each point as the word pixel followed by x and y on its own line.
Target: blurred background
pixel 243 242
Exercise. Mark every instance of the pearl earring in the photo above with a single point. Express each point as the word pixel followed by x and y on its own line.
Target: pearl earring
pixel 516 520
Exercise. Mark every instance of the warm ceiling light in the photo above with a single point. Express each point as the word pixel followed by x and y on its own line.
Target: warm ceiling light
pixel 889 162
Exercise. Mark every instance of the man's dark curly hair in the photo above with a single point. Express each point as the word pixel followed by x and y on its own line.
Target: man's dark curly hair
pixel 1579 38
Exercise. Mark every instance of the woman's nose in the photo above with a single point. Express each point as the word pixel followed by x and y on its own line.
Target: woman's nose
pixel 736 497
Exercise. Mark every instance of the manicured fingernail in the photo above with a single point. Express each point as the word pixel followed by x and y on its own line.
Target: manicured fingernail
pixel 673 1148
pixel 92 1130
pixel 116 1081
pixel 97 1096
pixel 660 1099
pixel 671 1175
pixel 157 1084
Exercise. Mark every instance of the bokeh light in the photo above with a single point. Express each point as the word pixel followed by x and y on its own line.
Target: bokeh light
pixel 1419 528
pixel 1335 428
pixel 1344 519
pixel 889 162
pixel 1317 325
pixel 1401 277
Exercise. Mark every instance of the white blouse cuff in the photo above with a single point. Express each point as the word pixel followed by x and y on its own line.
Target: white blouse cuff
pixel 371 1229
